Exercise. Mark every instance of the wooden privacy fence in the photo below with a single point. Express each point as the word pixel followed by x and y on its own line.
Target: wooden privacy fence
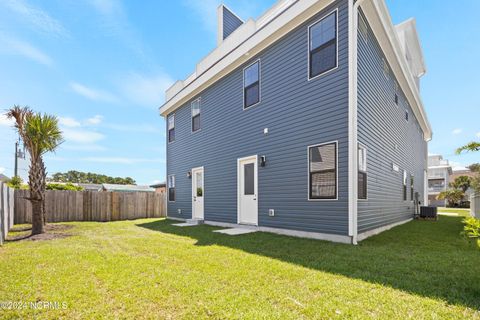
pixel 63 206
pixel 475 205
pixel 6 210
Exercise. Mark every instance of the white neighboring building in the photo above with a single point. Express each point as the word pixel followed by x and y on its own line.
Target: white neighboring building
pixel 439 171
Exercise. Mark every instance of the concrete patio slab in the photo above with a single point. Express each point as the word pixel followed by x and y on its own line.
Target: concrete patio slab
pixel 184 224
pixel 235 231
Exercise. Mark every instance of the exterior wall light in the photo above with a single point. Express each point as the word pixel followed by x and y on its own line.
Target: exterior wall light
pixel 263 161
pixel 189 174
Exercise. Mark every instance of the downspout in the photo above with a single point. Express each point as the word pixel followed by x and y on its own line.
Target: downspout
pixel 352 119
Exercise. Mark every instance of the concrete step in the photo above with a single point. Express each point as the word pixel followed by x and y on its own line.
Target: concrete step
pixel 194 221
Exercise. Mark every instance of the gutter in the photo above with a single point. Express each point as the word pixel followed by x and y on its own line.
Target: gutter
pixel 353 122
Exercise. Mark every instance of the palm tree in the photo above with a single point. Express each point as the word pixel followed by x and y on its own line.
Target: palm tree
pixel 40 134
pixel 453 196
pixel 472 146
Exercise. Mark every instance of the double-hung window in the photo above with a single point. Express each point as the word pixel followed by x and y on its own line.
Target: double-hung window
pixel 171 127
pixel 322 167
pixel 322 45
pixel 196 115
pixel 171 188
pixel 404 185
pixel 362 172
pixel 412 183
pixel 251 85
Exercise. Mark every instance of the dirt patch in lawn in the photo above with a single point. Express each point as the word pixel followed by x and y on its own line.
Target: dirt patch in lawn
pixel 52 231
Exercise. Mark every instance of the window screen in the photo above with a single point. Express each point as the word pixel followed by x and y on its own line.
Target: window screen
pixel 251 85
pixel 171 128
pixel 362 172
pixel 323 171
pixel 196 115
pixel 249 179
pixel 171 188
pixel 323 45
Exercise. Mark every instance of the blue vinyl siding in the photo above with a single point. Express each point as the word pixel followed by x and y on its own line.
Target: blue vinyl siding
pixel 298 113
pixel 389 140
pixel 230 22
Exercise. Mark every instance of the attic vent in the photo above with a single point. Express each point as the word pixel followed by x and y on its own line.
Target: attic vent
pixel 362 27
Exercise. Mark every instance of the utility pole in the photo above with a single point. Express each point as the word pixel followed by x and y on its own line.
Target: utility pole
pixel 16 160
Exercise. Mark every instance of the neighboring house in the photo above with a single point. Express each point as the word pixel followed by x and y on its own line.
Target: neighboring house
pixel 159 187
pixel 125 188
pixel 4 178
pixel 90 186
pixel 439 171
pixel 307 122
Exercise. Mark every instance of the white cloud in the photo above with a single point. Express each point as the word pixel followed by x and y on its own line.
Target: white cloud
pixel 38 19
pixel 92 94
pixel 84 147
pixel 95 120
pixel 206 10
pixel 18 47
pixel 478 134
pixel 144 90
pixel 4 121
pixel 81 136
pixel 457 131
pixel 68 122
pixel 122 160
pixel 2 169
pixel 137 128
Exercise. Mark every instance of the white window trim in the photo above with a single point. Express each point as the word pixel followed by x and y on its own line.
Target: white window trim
pixel 174 127
pixel 168 188
pixel 405 185
pixel 361 145
pixel 412 176
pixel 199 99
pixel 308 46
pixel 259 84
pixel 336 170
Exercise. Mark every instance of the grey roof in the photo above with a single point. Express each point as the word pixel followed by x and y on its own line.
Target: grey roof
pixel 90 186
pixel 159 185
pixel 126 188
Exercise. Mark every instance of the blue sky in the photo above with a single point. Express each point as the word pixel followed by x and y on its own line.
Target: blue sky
pixel 102 66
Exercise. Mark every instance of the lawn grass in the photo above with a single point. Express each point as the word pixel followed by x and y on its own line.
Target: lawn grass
pixel 457 211
pixel 151 269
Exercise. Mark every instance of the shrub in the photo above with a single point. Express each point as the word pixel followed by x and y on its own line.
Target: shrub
pixel 471 230
pixel 17 183
pixel 61 186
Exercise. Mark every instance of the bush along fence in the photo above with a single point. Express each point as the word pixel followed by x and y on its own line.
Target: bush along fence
pixel 6 210
pixel 475 205
pixel 63 206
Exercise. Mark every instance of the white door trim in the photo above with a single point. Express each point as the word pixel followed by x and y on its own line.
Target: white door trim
pixel 194 190
pixel 239 160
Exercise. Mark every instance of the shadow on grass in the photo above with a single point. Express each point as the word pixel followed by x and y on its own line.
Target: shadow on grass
pixel 422 257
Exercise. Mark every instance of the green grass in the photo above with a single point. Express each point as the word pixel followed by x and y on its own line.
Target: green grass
pixel 460 212
pixel 151 269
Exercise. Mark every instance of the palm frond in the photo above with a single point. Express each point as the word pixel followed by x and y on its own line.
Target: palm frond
pixel 472 146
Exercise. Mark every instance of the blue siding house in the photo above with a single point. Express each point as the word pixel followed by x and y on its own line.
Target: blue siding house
pixel 307 121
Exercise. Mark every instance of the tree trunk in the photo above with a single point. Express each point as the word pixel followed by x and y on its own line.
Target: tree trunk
pixel 35 182
pixel 43 186
pixel 37 218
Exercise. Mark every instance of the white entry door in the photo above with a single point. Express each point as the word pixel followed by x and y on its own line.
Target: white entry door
pixel 247 191
pixel 198 192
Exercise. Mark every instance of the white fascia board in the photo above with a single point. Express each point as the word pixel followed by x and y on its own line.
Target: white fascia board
pixel 270 32
pixel 379 18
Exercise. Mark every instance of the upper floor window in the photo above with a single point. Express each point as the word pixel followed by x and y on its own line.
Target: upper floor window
pixel 404 185
pixel 322 169
pixel 323 45
pixel 362 172
pixel 196 115
pixel 406 115
pixel 171 127
pixel 251 85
